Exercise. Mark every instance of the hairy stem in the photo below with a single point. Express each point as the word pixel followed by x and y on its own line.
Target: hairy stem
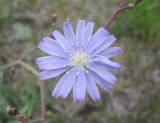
pixel 9 65
pixel 28 67
pixel 42 92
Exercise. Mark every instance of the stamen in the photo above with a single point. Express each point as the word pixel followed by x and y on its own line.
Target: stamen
pixel 79 59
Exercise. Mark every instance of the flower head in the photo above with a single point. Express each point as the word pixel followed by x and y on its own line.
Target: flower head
pixel 81 58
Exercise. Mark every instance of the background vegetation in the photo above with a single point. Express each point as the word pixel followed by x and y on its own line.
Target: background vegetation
pixel 136 98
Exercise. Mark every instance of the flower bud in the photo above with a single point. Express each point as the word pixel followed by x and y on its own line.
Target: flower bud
pixel 11 110
pixel 131 5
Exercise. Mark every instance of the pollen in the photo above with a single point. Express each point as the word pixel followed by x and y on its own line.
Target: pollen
pixel 79 59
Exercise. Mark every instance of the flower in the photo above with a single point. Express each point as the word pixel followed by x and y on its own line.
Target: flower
pixel 81 58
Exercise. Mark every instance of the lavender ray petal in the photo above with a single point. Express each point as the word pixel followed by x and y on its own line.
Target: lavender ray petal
pixel 50 41
pixel 51 49
pixel 47 58
pixel 97 39
pixel 107 42
pixel 87 33
pixel 79 87
pixel 80 32
pixel 51 62
pixel 68 84
pixel 47 74
pixel 69 32
pixel 105 75
pixel 92 88
pixel 106 61
pixel 101 82
pixel 111 52
pixel 57 89
pixel 106 67
pixel 61 40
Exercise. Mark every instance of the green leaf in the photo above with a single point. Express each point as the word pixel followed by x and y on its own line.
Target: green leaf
pixel 10 95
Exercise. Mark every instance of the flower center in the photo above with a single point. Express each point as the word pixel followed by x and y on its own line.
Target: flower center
pixel 79 59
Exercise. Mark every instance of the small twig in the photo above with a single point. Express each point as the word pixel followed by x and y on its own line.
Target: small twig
pixel 121 7
pixel 115 14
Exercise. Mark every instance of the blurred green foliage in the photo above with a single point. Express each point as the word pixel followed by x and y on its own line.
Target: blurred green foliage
pixel 142 22
pixel 5 10
pixel 11 96
pixel 145 19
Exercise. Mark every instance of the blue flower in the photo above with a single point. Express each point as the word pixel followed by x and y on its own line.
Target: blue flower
pixel 81 58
